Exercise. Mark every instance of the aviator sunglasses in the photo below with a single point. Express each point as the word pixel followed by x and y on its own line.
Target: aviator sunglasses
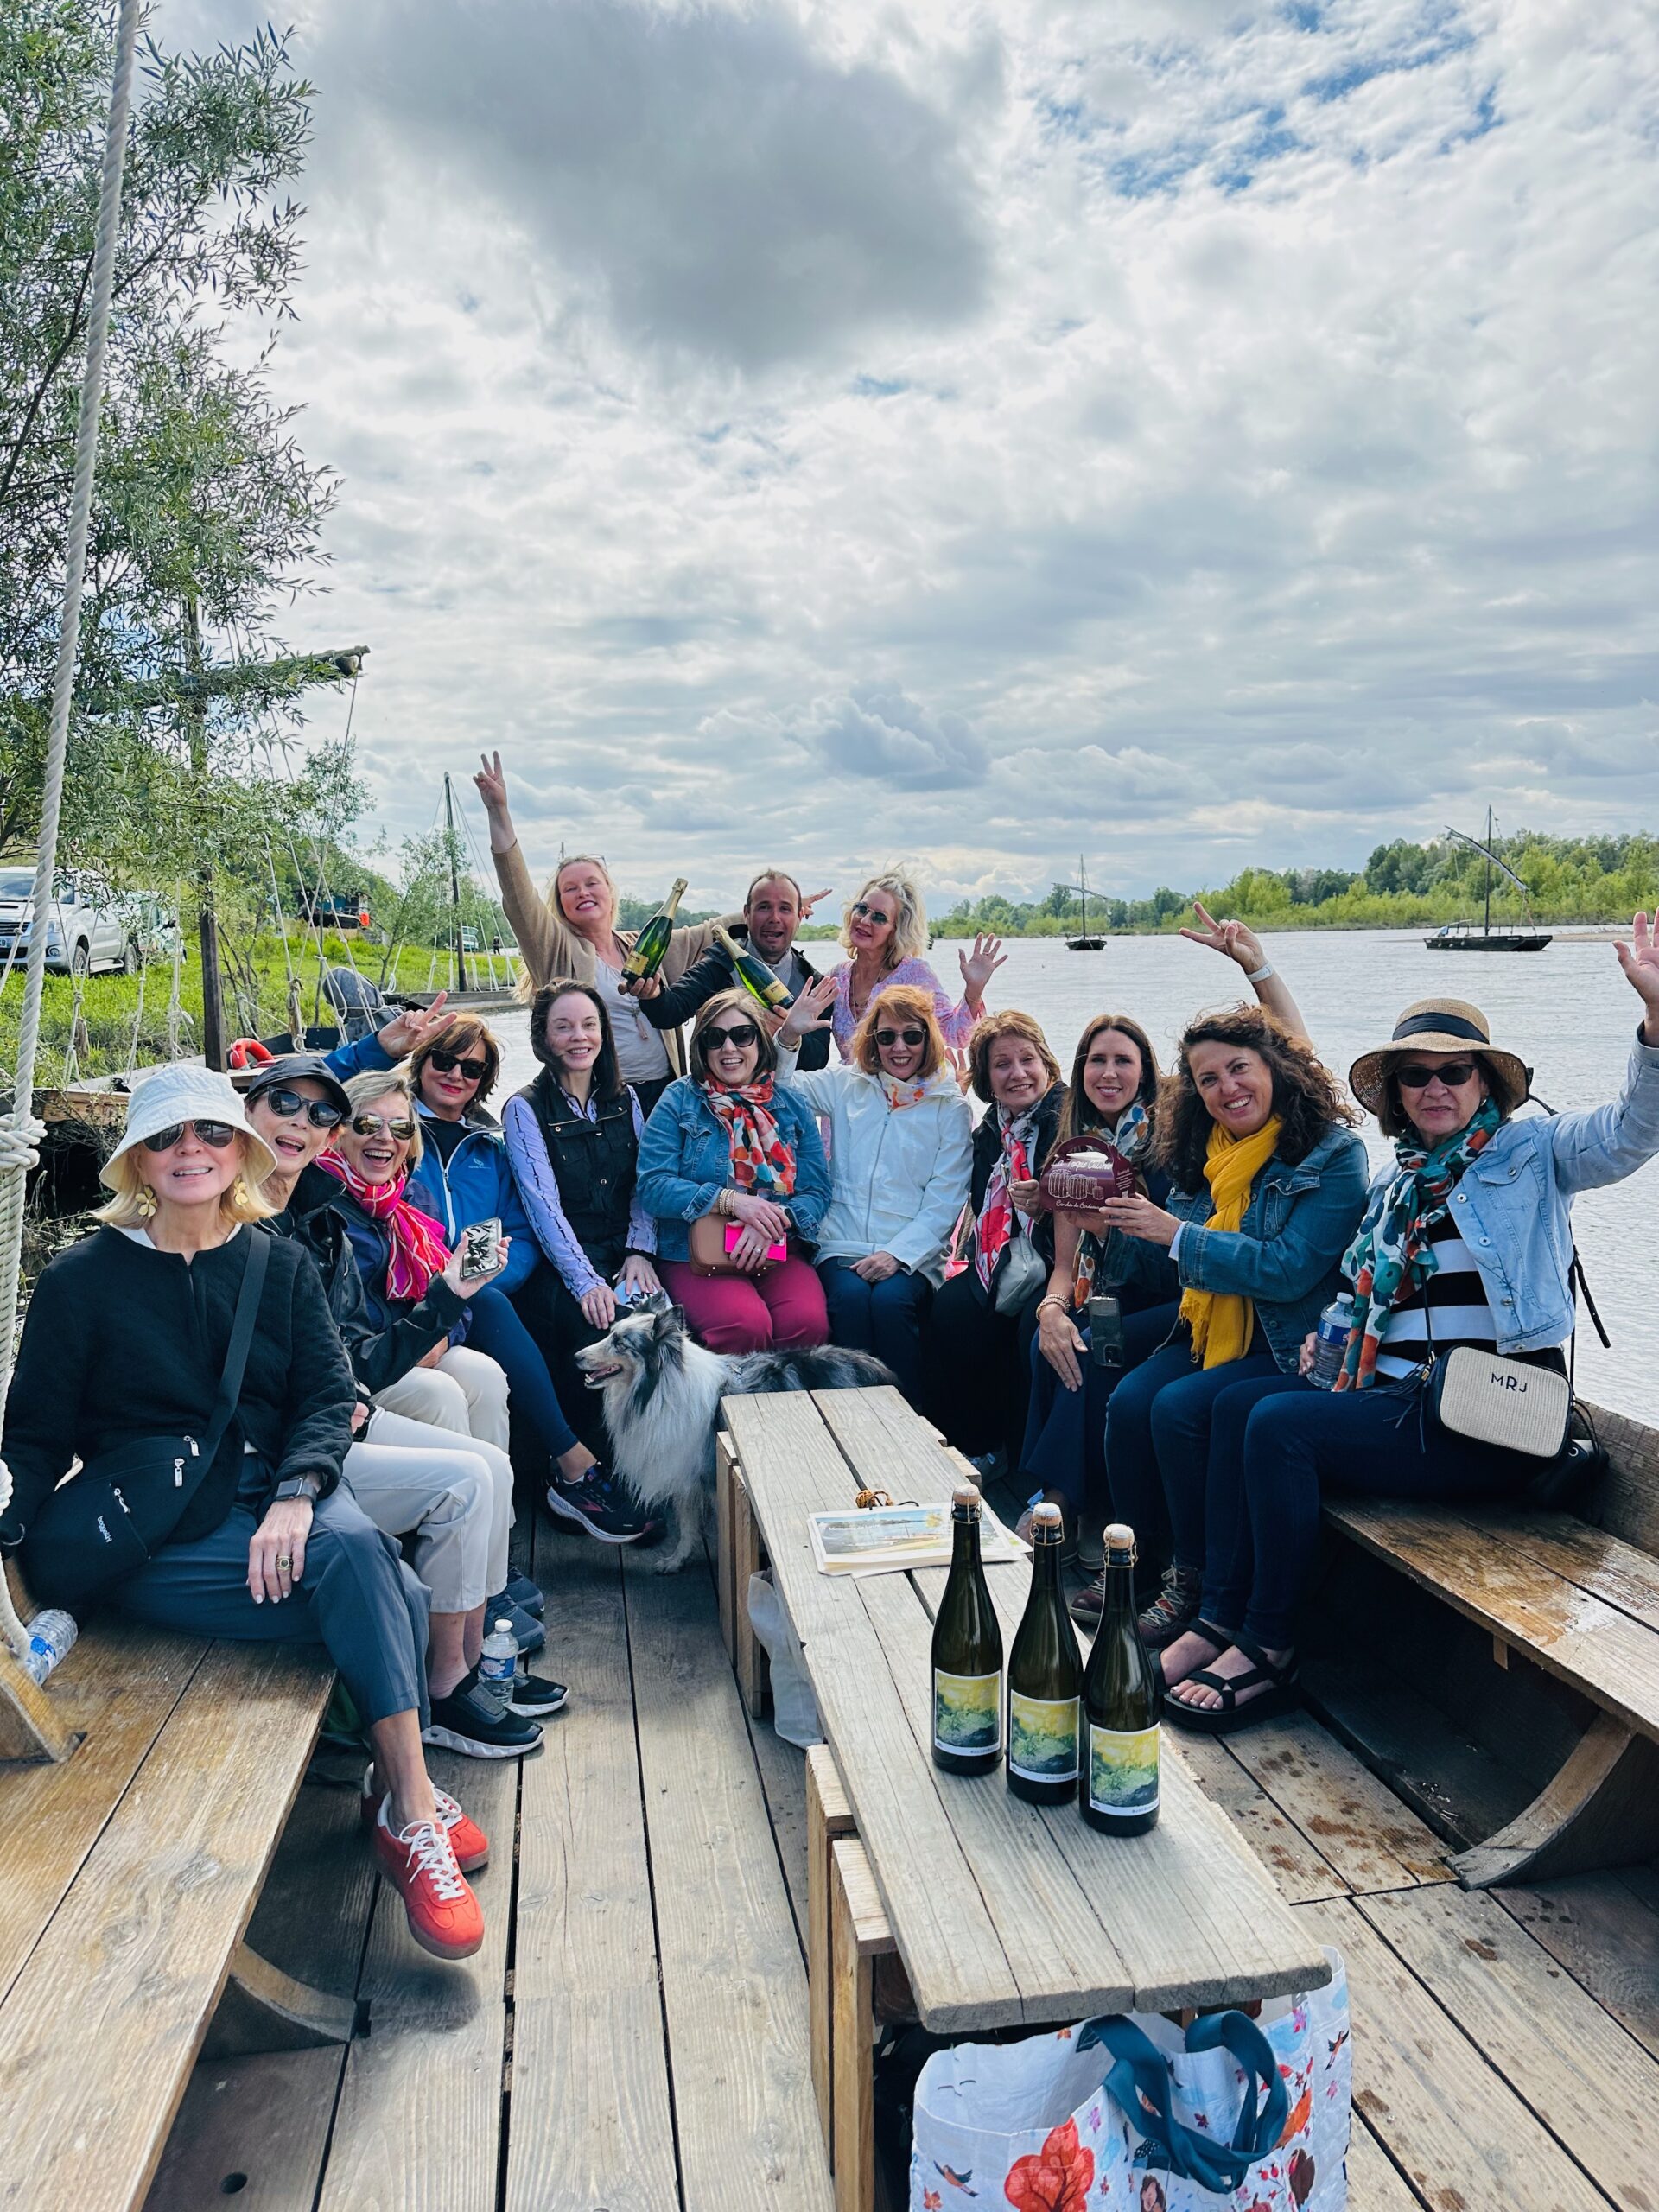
pixel 285 1105
pixel 744 1035
pixel 370 1125
pixel 1454 1075
pixel 447 1063
pixel 863 908
pixel 891 1037
pixel 215 1134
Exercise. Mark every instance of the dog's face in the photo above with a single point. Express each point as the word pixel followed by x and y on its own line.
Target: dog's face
pixel 642 1340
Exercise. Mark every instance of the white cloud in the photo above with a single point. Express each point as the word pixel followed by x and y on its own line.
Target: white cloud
pixel 1205 435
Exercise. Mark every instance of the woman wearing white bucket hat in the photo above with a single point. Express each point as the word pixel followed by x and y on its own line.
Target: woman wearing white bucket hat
pixel 128 1353
pixel 1466 1240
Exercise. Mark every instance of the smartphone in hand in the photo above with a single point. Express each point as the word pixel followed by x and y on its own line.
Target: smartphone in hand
pixel 480 1249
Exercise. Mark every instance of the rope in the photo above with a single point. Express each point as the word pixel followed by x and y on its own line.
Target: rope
pixel 19 1127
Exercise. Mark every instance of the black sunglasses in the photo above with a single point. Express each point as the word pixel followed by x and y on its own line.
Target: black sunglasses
pixel 1454 1075
pixel 217 1134
pixel 285 1105
pixel 370 1125
pixel 745 1034
pixel 447 1063
pixel 901 1036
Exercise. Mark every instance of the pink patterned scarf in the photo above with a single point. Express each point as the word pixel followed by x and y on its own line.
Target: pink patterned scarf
pixel 418 1251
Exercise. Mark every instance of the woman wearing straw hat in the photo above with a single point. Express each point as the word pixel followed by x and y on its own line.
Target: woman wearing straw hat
pixel 1466 1240
pixel 129 1337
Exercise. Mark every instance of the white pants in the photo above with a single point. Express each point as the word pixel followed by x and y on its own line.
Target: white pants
pixel 422 1485
pixel 467 1391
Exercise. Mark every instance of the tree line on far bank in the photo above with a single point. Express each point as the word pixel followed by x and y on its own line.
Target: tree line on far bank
pixel 1402 885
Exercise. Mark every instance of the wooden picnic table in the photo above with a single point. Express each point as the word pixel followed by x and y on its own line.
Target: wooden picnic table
pixel 1003 1912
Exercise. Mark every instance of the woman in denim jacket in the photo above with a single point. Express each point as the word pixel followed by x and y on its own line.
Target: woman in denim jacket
pixel 1466 1239
pixel 730 1140
pixel 1267 1185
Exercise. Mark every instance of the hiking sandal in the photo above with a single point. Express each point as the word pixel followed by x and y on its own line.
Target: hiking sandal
pixel 1280 1696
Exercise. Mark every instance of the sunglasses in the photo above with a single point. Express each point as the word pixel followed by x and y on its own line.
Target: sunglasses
pixel 285 1105
pixel 216 1134
pixel 744 1035
pixel 867 912
pixel 1454 1075
pixel 370 1125
pixel 901 1037
pixel 447 1063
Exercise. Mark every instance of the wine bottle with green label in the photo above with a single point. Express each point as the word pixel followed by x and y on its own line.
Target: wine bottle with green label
pixel 1045 1678
pixel 752 971
pixel 1121 1701
pixel 967 1653
pixel 651 943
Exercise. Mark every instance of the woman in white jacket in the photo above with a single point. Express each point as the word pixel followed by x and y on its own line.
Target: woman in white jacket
pixel 900 1144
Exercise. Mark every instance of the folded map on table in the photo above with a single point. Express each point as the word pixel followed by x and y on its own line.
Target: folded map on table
pixel 886 1539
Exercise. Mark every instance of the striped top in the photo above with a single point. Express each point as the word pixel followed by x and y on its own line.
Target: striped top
pixel 1454 1304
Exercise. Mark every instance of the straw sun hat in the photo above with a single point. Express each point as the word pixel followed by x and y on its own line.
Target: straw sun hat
pixel 1439 1026
pixel 181 1092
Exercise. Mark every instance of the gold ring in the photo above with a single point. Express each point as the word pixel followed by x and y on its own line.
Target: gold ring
pixel 284 1564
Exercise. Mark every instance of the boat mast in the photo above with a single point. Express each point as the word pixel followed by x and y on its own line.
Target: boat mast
pixel 458 947
pixel 1082 893
pixel 1486 925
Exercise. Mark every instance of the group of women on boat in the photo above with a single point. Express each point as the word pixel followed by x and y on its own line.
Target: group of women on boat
pixel 276 1357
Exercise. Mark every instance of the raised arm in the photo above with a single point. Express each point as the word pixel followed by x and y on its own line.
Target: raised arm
pixel 1240 943
pixel 549 948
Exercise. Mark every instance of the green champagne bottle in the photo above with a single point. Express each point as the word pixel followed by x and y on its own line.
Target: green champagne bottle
pixel 1045 1678
pixel 653 941
pixel 752 971
pixel 967 1653
pixel 1121 1699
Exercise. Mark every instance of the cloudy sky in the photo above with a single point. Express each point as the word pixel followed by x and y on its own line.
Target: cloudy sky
pixel 966 433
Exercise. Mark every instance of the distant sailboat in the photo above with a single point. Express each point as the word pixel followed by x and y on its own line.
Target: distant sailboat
pixel 1084 942
pixel 1463 937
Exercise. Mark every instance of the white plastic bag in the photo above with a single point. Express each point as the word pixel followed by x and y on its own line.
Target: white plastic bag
pixel 1032 2125
pixel 794 1708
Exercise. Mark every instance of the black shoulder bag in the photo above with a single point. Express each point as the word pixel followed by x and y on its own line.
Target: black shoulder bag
pixel 105 1523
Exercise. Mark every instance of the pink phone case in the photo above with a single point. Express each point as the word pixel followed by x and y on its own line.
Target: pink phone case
pixel 735 1230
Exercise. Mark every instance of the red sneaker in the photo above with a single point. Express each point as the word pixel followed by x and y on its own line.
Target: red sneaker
pixel 444 1917
pixel 472 1846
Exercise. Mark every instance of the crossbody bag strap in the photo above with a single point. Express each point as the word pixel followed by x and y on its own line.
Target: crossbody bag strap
pixel 236 1353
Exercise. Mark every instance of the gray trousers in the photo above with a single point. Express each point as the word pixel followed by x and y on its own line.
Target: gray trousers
pixel 356 1598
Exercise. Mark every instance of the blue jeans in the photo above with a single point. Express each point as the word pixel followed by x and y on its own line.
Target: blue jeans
pixel 883 1318
pixel 356 1597
pixel 1274 1447
pixel 1158 1440
pixel 1064 1448
pixel 494 1327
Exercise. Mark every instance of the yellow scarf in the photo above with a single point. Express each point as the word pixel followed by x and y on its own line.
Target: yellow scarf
pixel 1220 1321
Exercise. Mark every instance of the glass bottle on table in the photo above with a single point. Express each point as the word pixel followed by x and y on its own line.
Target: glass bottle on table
pixel 1118 1789
pixel 967 1653
pixel 651 943
pixel 757 979
pixel 1045 1678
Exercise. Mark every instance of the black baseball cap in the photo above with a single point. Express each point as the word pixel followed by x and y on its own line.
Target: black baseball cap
pixel 297 1067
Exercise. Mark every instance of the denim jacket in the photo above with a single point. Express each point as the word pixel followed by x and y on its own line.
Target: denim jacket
pixel 685 1162
pixel 1285 1258
pixel 1513 1203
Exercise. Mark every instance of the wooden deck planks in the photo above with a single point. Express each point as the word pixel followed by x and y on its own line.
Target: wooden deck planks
pixel 165 1892
pixel 251 2133
pixel 590 2114
pixel 1355 1820
pixel 734 1987
pixel 1300 1872
pixel 1553 2044
pixel 1598 1927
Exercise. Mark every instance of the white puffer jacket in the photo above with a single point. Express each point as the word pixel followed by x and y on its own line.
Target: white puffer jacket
pixel 898 1177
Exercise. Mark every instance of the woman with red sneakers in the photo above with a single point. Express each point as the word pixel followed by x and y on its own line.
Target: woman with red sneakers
pixel 191 1366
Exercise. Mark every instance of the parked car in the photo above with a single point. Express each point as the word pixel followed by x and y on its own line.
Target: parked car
pixel 88 926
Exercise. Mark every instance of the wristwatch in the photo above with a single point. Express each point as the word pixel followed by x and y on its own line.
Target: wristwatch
pixel 305 1486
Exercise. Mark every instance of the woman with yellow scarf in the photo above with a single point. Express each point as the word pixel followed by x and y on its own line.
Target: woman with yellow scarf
pixel 1267 1183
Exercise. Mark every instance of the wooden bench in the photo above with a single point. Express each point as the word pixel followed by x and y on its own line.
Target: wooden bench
pixel 133 1861
pixel 1003 1913
pixel 1582 1604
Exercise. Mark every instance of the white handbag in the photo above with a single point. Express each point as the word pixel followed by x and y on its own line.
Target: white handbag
pixel 1508 1402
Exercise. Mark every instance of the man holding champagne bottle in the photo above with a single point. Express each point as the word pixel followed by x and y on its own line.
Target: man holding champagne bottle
pixel 773 910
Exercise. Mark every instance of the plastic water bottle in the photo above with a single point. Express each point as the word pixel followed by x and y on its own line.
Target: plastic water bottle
pixel 1336 1324
pixel 50 1635
pixel 497 1663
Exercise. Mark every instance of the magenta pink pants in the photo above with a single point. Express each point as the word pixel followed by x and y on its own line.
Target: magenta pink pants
pixel 734 1313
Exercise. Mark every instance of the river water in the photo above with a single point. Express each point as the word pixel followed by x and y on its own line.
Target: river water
pixel 1567 1010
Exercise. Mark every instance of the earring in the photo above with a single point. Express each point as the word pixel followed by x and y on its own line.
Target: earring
pixel 146 1203
pixel 240 1192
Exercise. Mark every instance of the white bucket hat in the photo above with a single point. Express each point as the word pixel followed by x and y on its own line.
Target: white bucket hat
pixel 183 1092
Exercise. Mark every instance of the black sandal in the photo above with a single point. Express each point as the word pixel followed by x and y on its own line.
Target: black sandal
pixel 1223 1639
pixel 1281 1696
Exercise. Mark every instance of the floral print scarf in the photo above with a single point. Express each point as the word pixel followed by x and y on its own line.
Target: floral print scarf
pixel 761 1161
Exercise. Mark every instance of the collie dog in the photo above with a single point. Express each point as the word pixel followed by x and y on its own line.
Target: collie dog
pixel 662 1393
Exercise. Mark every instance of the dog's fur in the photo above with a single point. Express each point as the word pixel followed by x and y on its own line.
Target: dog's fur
pixel 662 1393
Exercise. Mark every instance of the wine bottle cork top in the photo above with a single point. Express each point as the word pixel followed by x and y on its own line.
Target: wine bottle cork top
pixel 1049 1519
pixel 1119 1536
pixel 965 1494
